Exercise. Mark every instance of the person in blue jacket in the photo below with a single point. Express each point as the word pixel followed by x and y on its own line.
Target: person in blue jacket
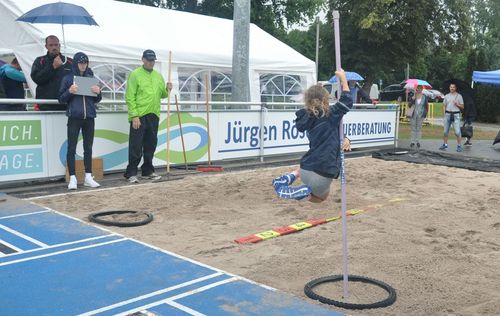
pixel 81 112
pixel 322 163
pixel 12 80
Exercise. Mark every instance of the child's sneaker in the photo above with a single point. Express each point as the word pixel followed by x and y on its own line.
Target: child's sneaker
pixel 443 147
pixel 459 148
pixel 294 193
pixel 286 179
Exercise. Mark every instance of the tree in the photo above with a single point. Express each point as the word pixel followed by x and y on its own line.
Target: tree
pixel 273 16
pixel 379 37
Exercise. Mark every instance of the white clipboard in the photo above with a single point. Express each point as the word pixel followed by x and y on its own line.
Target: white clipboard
pixel 84 84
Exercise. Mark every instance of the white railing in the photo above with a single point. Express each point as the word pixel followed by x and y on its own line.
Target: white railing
pixel 114 105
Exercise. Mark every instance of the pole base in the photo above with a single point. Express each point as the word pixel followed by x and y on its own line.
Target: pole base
pixel 308 290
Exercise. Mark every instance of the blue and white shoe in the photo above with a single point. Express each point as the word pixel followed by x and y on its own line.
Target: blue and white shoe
pixel 294 193
pixel 286 179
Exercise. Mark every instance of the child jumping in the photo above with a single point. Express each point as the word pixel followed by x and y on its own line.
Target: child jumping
pixel 321 164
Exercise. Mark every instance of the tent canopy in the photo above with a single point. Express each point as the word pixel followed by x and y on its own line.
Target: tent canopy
pixel 492 77
pixel 125 30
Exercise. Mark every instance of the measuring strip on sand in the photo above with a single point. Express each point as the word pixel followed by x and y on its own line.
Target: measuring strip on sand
pixel 289 229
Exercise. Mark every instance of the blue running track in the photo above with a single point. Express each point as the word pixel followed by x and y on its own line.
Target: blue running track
pixel 52 264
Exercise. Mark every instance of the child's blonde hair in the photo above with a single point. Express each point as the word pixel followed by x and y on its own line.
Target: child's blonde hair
pixel 316 99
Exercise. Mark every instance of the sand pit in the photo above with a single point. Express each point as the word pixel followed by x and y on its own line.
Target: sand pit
pixel 433 232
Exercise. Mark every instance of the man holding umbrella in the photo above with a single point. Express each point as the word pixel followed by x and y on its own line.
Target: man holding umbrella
pixel 48 71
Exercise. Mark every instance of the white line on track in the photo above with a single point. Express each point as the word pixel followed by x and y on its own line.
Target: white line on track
pixel 171 300
pixel 60 245
pixel 23 236
pixel 61 252
pixel 24 214
pixel 10 246
pixel 139 298
pixel 185 309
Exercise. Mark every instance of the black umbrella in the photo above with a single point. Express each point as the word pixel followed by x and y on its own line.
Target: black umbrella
pixel 58 13
pixel 462 86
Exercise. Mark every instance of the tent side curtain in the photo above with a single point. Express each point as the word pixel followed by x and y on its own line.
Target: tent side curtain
pixel 492 77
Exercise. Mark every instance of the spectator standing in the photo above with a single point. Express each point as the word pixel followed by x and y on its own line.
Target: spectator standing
pixel 470 114
pixel 145 89
pixel 421 104
pixel 81 114
pixel 48 71
pixel 12 80
pixel 358 95
pixel 453 103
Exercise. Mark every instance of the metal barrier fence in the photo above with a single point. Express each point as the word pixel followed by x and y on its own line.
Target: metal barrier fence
pixel 113 105
pixel 430 119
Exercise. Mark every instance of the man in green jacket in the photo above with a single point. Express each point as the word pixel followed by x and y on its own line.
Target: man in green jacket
pixel 145 89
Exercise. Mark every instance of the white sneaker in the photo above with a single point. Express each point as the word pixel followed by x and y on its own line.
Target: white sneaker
pixel 153 176
pixel 132 179
pixel 90 182
pixel 73 183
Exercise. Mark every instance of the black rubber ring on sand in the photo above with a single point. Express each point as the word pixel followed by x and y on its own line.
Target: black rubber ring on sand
pixel 308 290
pixel 95 217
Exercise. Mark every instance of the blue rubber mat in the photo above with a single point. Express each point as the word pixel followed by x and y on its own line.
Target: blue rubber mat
pixel 51 264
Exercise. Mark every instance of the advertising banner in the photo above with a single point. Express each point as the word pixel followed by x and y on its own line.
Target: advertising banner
pixel 34 145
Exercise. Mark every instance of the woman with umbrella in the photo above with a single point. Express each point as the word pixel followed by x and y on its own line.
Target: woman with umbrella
pixel 420 104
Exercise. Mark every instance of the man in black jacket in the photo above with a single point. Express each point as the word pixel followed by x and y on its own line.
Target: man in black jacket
pixel 47 72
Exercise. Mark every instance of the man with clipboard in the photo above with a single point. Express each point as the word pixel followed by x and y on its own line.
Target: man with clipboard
pixel 81 92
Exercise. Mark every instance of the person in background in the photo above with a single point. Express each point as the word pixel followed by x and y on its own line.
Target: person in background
pixel 421 104
pixel 145 89
pixel 469 115
pixel 321 164
pixel 358 95
pixel 48 71
pixel 453 103
pixel 81 113
pixel 12 81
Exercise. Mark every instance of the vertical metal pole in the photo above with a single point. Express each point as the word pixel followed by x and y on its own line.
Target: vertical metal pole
pixel 317 49
pixel 169 78
pixel 207 104
pixel 241 51
pixel 261 132
pixel 345 269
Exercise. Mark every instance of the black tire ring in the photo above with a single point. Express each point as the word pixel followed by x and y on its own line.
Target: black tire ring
pixel 94 217
pixel 308 290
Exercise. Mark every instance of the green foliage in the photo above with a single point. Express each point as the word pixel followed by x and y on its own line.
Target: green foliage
pixel 488 103
pixel 273 16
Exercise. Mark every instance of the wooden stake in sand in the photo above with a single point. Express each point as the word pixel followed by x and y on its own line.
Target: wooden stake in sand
pixel 180 128
pixel 210 167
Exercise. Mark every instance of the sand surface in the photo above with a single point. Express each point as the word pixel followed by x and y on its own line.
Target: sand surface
pixel 431 232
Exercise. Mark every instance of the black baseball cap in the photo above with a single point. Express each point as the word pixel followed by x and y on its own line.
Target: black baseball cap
pixel 148 54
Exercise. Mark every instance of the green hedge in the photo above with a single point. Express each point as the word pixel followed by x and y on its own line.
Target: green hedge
pixel 488 103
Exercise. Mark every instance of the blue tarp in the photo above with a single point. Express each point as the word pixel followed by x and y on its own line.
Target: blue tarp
pixel 492 77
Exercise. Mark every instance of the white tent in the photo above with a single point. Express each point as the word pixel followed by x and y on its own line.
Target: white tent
pixel 197 42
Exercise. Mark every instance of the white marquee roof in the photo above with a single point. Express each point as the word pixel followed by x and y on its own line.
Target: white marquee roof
pixel 125 30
